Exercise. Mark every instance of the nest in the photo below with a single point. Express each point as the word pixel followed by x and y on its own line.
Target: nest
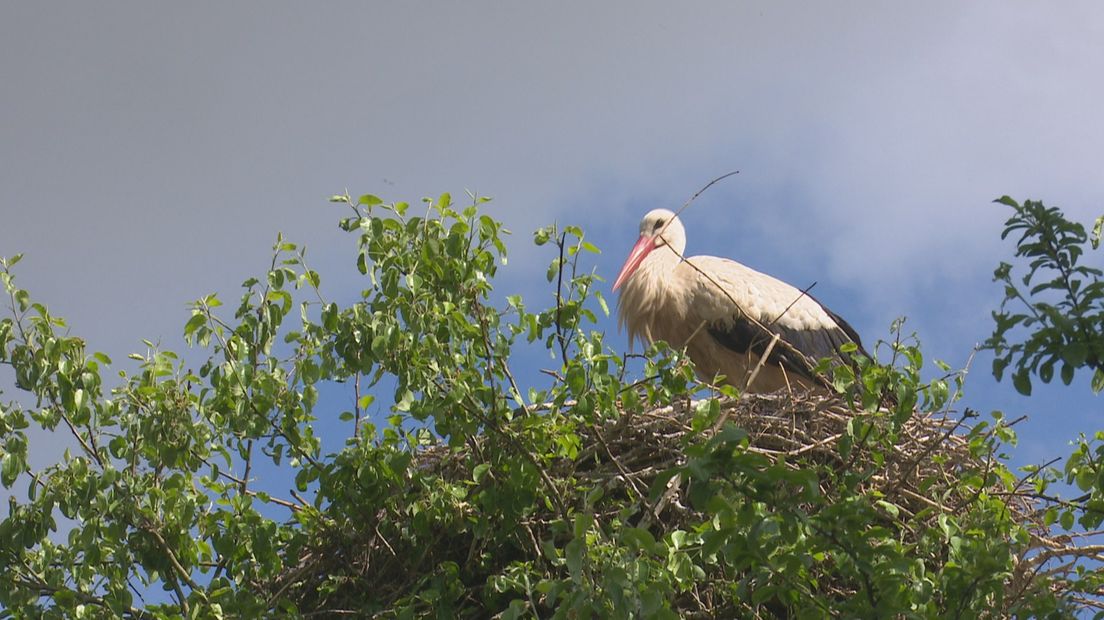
pixel 624 456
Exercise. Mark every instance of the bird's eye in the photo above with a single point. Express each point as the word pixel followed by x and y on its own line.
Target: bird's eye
pixel 658 225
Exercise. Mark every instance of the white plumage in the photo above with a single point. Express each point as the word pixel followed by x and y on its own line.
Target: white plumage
pixel 724 313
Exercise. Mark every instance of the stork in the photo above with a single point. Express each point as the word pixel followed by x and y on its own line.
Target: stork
pixel 724 313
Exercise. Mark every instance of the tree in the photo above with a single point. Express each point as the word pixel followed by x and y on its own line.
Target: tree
pixel 1063 307
pixel 484 493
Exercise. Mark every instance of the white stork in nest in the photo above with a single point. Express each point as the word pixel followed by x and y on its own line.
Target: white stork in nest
pixel 727 315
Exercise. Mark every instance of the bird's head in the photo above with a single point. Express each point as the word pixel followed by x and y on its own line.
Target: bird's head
pixel 659 228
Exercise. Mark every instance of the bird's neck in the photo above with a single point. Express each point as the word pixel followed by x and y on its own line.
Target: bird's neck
pixel 652 297
pixel 654 280
pixel 661 262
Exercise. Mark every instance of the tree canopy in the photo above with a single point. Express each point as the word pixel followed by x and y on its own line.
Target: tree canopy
pixel 610 485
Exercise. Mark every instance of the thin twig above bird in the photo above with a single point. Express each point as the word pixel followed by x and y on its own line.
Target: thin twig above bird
pixel 727 315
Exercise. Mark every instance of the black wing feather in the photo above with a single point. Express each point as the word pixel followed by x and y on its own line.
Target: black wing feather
pixel 811 345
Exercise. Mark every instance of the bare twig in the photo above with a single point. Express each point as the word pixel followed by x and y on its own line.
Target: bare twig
pixel 701 191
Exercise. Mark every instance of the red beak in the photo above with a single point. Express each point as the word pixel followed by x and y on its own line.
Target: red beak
pixel 641 250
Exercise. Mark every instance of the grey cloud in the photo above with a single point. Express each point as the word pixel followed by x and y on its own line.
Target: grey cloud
pixel 149 154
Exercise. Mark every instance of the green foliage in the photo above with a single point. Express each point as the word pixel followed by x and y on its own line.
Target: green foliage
pixel 478 494
pixel 1058 302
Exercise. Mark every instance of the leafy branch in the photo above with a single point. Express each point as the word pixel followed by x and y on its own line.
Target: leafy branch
pixel 1052 316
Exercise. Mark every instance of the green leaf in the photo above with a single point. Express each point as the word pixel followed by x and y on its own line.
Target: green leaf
pixel 313 278
pixel 1067 374
pixel 890 508
pixel 405 402
pixel 729 434
pixel 194 323
pixel 9 469
pixel 1021 380
pixel 583 523
pixel 602 303
pixel 329 316
pixel 542 235
pixel 1084 478
pixel 1046 372
pixel 999 364
pixel 573 554
pixel 639 538
pixel 480 471
pixel 1075 353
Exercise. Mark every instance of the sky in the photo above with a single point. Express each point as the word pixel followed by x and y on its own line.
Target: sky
pixel 149 154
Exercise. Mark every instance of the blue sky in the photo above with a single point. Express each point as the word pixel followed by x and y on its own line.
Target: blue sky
pixel 150 154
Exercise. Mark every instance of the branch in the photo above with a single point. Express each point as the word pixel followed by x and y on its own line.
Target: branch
pixel 46 589
pixel 180 570
pixel 559 300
